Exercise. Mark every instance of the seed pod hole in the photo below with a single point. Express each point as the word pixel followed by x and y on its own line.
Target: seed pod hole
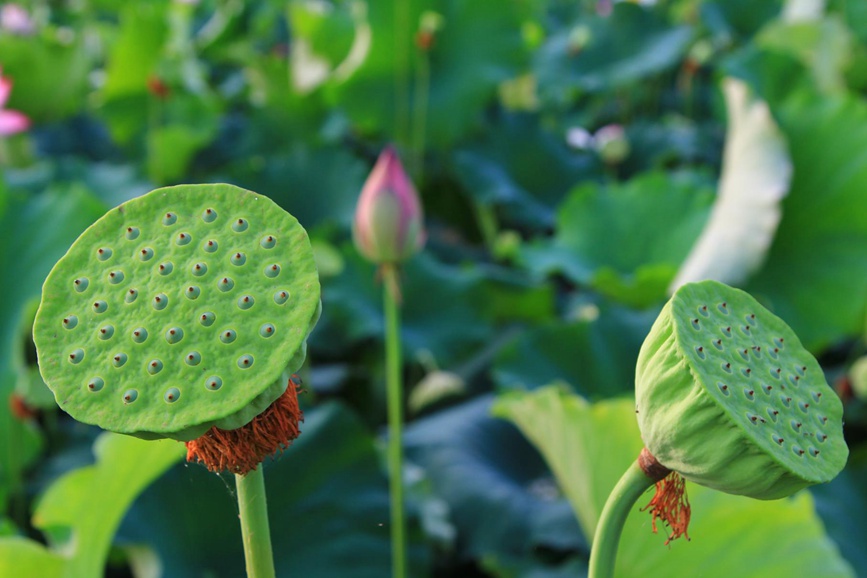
pixel 199 269
pixel 193 358
pixel 750 394
pixel 139 335
pixel 245 302
pixel 245 361
pixel 165 268
pixel 699 351
pixel 746 330
pixel 154 366
pixel 695 324
pixel 747 372
pixel 272 271
pixel 778 341
pixel 119 359
pixel 77 356
pixel 213 383
pixel 238 259
pixel 767 388
pixel 225 284
pixel 105 332
pixel 773 413
pixel 183 239
pixel 172 395
pixel 775 353
pixel 70 321
pixel 160 301
pixel 267 330
pixel 210 246
pixel 268 242
pixel 813 451
pixel 723 308
pixel 240 225
pixel 727 367
pixel 95 384
pixel 718 344
pixel 209 215
pixel 192 292
pixel 174 335
pixel 821 437
pixel 703 311
pixel 796 425
pixel 131 295
pixel 786 400
pixel 130 396
pixel 794 379
pixel 207 318
pixel 115 277
pixel 745 354
pixel 146 254
pixel 817 396
pixel 723 388
pixel 170 218
pixel 81 284
pixel 100 306
pixel 228 336
pixel 778 439
pixel 803 406
pixel 103 253
pixel 281 297
pixel 727 331
pixel 797 450
pixel 132 233
pixel 775 373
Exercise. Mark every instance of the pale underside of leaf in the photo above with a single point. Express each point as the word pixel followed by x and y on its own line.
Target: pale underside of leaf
pixel 755 178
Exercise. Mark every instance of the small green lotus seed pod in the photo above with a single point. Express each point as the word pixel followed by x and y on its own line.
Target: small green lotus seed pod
pixel 152 323
pixel 729 398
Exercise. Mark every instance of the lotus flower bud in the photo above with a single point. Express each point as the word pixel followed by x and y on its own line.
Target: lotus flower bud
pixel 388 226
pixel 611 143
pixel 729 398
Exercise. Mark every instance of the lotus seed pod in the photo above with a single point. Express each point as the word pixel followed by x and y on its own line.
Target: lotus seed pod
pixel 729 398
pixel 131 330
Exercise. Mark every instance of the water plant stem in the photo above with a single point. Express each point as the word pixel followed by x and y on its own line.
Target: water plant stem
pixel 623 497
pixel 253 509
pixel 394 390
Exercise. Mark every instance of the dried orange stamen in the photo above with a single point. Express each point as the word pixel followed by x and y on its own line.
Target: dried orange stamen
pixel 671 505
pixel 242 450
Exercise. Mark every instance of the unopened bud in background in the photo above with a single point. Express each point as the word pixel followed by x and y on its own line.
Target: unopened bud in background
pixel 388 225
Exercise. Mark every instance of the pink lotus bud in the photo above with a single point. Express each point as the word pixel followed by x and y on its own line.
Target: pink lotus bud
pixel 388 225
pixel 11 121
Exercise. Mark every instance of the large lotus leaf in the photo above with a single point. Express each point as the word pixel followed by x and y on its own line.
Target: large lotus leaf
pixel 479 45
pixel 24 557
pixel 318 184
pixel 500 494
pixel 501 168
pixel 814 275
pixel 447 310
pixel 625 240
pixel 755 177
pixel 81 511
pixel 842 504
pixel 596 356
pixel 327 501
pixel 589 447
pixel 731 20
pixel 43 66
pixel 825 45
pixel 606 52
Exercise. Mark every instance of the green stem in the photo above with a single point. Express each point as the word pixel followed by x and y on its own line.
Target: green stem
pixel 394 387
pixel 401 72
pixel 603 553
pixel 253 507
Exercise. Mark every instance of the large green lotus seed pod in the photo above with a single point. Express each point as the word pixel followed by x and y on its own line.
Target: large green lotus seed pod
pixel 178 311
pixel 729 398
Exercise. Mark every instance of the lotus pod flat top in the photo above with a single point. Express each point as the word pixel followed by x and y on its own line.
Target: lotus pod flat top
pixel 753 368
pixel 177 309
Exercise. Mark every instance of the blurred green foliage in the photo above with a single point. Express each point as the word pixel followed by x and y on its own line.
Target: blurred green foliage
pixel 547 257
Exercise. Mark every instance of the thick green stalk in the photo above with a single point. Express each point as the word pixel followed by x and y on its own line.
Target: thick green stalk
pixel 623 497
pixel 253 507
pixel 394 388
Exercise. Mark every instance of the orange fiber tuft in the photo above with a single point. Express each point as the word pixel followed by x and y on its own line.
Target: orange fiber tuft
pixel 242 450
pixel 671 505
